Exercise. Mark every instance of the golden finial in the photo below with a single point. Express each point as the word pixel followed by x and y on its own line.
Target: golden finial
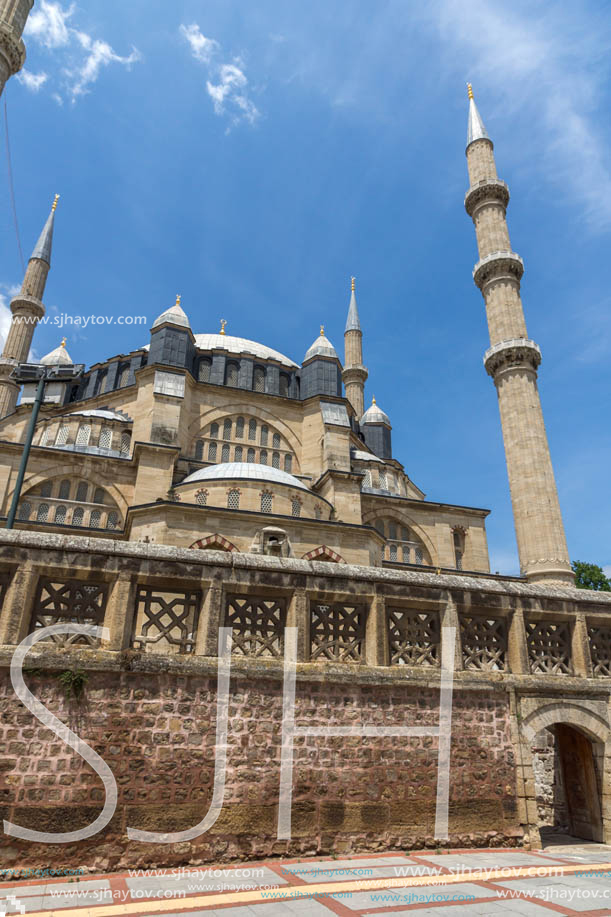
pixel 223 323
pixel 322 331
pixel 63 343
pixel 353 284
pixel 470 90
pixel 54 205
pixel 373 399
pixel 178 299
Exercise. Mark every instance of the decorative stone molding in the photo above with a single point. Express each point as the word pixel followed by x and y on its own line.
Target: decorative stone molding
pixel 324 553
pixel 12 48
pixel 485 191
pixel 509 354
pixel 22 303
pixel 497 265
pixel 215 542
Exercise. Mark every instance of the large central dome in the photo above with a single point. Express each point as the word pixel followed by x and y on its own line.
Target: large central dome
pixel 246 471
pixel 240 345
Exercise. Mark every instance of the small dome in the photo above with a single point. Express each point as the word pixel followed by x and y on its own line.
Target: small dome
pixel 322 347
pixel 244 471
pixel 58 357
pixel 102 413
pixel 375 414
pixel 175 315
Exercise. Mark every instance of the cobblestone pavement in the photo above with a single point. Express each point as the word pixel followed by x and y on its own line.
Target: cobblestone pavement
pixel 569 879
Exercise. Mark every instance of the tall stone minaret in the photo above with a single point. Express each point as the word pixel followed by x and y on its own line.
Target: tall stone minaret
pixel 512 361
pixel 354 375
pixel 27 309
pixel 13 16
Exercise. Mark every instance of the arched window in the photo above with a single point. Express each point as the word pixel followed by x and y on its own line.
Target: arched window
pixel 47 489
pixel 126 439
pixel 123 376
pixel 459 548
pixel 94 519
pixel 266 502
pixel 44 438
pixel 225 453
pixel 317 512
pixel 379 524
pixel 78 515
pixel 263 457
pixel 101 384
pixel 239 428
pixel 64 490
pixel 275 460
pixel 227 429
pixel 392 530
pixel 251 456
pixel 233 499
pixel 276 440
pixel 43 512
pixel 238 454
pixel 214 431
pixel 264 432
pixel 60 515
pixel 201 497
pixel 25 510
pixel 284 385
pixel 212 452
pixel 407 554
pixel 288 463
pixel 258 379
pixel 419 557
pixel 83 434
pixel 82 492
pixel 203 372
pixel 231 374
pixel 252 429
pixel 393 552
pixel 62 436
pixel 367 478
pixel 105 440
pixel 199 450
pixel 295 507
pixel 99 495
pixel 112 521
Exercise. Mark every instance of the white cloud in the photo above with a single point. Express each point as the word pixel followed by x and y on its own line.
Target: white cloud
pixel 83 56
pixel 7 292
pixel 32 81
pixel 228 84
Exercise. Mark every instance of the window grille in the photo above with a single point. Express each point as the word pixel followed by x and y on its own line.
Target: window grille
pixel 95 519
pixel 105 440
pixel 44 437
pixel 276 460
pixel 276 441
pixel 288 463
pixel 252 429
pixel 407 554
pixel 214 431
pixel 295 507
pixel 99 495
pixel 549 647
pixel 484 642
pixel 225 453
pixel 264 432
pixel 392 551
pixel 62 436
pixel 166 621
pixel 259 379
pixel 64 490
pixel 266 502
pixel 70 601
pixel 43 512
pixel 233 499
pixel 257 625
pixel 78 516
pixel 284 385
pixel 47 489
pixel 238 453
pixel 203 373
pixel 199 450
pixel 231 375
pixel 600 648
pixel 202 497
pixel 251 455
pixel 212 452
pixel 239 428
pixel 263 457
pixel 112 521
pixel 337 632
pixel 227 429
pixel 419 555
pixel 126 440
pixel 367 479
pixel 83 434
pixel 317 512
pixel 102 384
pixel 392 530
pixel 382 480
pixel 25 510
pixel 60 515
pixel 82 491
pixel 414 637
pixel 124 377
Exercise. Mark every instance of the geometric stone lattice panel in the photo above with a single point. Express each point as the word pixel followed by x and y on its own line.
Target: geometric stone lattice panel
pixel 337 632
pixel 257 623
pixel 73 601
pixel 600 648
pixel 549 647
pixel 484 642
pixel 166 622
pixel 413 637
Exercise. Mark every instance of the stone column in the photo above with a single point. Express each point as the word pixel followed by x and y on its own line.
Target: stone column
pixel 528 814
pixel 449 618
pixel 376 634
pixel 120 612
pixel 18 605
pixel 297 616
pixel 517 648
pixel 210 620
pixel 580 647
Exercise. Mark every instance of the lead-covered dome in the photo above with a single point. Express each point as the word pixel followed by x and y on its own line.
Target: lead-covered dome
pixel 322 347
pixel 248 471
pixel 375 414
pixel 58 357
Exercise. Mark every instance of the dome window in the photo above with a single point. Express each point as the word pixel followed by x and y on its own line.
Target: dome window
pixel 214 431
pixel 251 456
pixel 112 521
pixel 43 512
pixel 105 440
pixel 95 519
pixel 78 516
pixel 252 430
pixel 231 375
pixel 62 436
pixel 212 452
pixel 225 453
pixel 60 515
pixel 276 460
pixel 288 463
pixel 83 434
pixel 233 499
pixel 263 457
pixel 201 497
pixel 264 434
pixel 64 490
pixel 238 454
pixel 126 439
pixel 266 501
pixel 239 428
pixel 25 510
pixel 259 379
pixel 47 489
pixel 203 372
pixel 82 492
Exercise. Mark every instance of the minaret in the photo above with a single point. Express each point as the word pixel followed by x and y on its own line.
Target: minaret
pixel 13 16
pixel 354 375
pixel 512 360
pixel 27 309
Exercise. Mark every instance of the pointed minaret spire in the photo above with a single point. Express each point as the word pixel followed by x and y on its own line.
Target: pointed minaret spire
pixel 354 375
pixel 44 246
pixel 475 128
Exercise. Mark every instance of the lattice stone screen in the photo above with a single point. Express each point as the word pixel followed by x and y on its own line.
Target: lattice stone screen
pixel 166 621
pixel 72 601
pixel 413 637
pixel 600 648
pixel 484 642
pixel 549 647
pixel 257 624
pixel 337 632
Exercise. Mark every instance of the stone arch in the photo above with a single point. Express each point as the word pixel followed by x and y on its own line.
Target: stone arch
pixel 324 553
pixel 39 477
pixel 569 714
pixel 401 516
pixel 199 423
pixel 215 543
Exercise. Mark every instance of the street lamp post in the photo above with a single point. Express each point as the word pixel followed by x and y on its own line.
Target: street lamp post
pixel 36 372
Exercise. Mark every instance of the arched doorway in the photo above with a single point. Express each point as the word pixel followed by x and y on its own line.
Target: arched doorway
pixel 568 770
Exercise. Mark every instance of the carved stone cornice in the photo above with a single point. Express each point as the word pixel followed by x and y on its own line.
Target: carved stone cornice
pixel 488 190
pixel 497 265
pixel 12 48
pixel 354 374
pixel 512 354
pixel 23 304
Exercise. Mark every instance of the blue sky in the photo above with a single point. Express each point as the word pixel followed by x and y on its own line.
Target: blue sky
pixel 253 156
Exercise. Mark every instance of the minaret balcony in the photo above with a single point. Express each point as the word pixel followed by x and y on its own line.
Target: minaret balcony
pixel 13 48
pixel 511 354
pixel 489 190
pixel 497 265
